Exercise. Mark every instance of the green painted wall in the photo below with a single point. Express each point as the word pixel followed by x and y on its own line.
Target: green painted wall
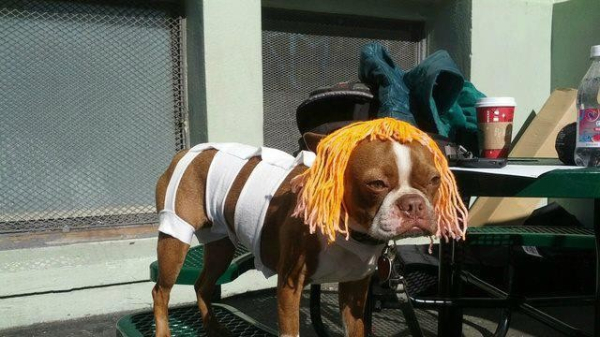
pixel 510 51
pixel 449 27
pixel 505 46
pixel 575 28
pixel 408 9
pixel 196 82
pixel 508 57
pixel 232 71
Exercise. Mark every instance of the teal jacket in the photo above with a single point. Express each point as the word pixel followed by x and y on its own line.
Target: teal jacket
pixel 433 96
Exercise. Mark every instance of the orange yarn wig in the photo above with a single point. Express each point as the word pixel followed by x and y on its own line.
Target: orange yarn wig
pixel 321 187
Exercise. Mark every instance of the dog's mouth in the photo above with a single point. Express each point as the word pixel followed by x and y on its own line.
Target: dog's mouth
pixel 417 227
pixel 404 227
pixel 414 231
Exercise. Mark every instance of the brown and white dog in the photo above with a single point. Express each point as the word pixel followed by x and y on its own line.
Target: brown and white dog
pixel 389 192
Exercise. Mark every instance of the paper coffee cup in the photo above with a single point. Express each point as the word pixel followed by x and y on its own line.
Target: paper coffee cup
pixel 495 123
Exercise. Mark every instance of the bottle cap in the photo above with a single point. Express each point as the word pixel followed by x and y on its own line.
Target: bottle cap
pixel 595 51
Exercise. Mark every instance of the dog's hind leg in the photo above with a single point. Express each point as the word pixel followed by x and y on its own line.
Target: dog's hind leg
pixel 217 257
pixel 171 254
pixel 183 214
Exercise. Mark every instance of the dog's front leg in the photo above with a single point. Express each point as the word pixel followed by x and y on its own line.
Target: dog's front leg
pixel 289 292
pixel 353 298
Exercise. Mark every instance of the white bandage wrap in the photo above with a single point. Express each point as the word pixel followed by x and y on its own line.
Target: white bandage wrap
pixel 253 202
pixel 173 225
pixel 169 222
pixel 252 205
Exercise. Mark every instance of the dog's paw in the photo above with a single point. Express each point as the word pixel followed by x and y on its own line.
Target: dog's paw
pixel 163 333
pixel 162 328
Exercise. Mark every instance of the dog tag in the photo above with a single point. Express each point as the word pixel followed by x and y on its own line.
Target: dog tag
pixel 385 263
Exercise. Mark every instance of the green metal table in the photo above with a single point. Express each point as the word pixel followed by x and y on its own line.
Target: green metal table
pixel 578 183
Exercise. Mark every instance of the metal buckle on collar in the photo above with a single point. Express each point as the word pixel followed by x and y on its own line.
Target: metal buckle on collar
pixel 388 271
pixel 385 263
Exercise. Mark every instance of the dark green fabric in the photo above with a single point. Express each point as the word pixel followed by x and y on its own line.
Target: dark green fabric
pixel 434 87
pixel 463 128
pixel 378 71
pixel 433 95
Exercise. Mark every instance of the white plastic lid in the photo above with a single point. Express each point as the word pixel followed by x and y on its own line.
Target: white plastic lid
pixel 495 101
pixel 595 51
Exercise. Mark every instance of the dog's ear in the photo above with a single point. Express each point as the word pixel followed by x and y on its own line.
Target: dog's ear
pixel 311 140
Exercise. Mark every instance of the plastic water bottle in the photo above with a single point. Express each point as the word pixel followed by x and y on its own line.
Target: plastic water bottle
pixel 587 151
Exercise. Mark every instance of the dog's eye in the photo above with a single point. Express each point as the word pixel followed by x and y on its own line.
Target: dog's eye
pixel 435 180
pixel 377 184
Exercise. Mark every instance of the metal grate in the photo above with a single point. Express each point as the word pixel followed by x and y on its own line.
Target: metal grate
pixel 541 236
pixel 303 53
pixel 92 109
pixel 186 321
pixel 386 322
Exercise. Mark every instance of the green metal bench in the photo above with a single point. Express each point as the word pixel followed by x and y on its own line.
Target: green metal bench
pixel 539 236
pixel 186 321
pixel 559 183
pixel 242 262
pixel 509 236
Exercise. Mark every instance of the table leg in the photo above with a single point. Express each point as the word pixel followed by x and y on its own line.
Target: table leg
pixel 456 289
pixel 449 318
pixel 597 234
pixel 444 281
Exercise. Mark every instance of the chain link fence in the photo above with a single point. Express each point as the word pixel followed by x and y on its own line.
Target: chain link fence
pixel 301 54
pixel 92 110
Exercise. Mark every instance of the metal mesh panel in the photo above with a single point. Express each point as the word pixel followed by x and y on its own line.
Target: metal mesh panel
pixel 91 112
pixel 294 64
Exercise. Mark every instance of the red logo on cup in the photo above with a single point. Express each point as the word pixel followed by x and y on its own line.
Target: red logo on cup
pixel 494 123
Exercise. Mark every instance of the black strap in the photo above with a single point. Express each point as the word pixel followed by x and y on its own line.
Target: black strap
pixel 366 238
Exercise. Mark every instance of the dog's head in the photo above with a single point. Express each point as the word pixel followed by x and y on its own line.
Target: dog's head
pixel 385 178
pixel 390 189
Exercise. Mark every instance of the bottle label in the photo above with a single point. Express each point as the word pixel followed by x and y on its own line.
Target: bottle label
pixel 588 134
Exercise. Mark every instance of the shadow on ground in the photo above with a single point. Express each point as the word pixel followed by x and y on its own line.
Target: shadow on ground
pixel 261 305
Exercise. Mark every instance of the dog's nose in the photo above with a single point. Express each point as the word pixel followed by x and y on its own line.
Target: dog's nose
pixel 412 205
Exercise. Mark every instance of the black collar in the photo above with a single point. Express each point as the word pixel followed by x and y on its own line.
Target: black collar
pixel 366 238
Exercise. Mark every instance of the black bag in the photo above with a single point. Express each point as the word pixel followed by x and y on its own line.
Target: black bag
pixel 330 108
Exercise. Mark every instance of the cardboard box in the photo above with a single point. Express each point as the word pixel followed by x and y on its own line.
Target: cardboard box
pixel 536 141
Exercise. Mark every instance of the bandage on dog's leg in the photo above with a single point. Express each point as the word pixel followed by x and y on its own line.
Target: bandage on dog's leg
pixel 171 254
pixel 217 257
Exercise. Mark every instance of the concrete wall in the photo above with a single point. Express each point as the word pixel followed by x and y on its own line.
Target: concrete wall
pixel 503 46
pixel 59 280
